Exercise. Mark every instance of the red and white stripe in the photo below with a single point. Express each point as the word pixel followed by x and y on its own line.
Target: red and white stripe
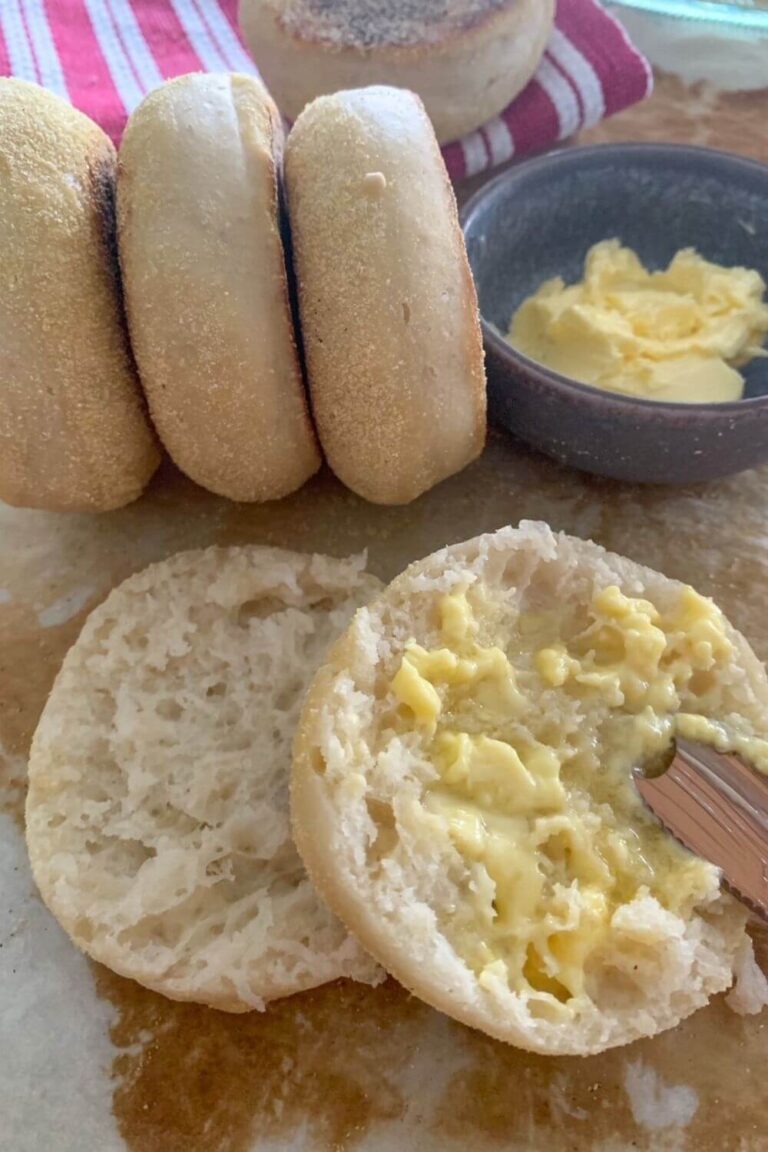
pixel 131 64
pixel 581 74
pixel 501 144
pixel 561 90
pixel 30 48
pixel 212 37
pixel 105 55
pixel 21 58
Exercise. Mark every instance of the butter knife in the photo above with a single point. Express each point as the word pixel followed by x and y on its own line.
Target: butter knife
pixel 717 806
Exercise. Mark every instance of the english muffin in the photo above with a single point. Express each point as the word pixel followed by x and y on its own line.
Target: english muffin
pixel 157 814
pixel 73 430
pixel 463 797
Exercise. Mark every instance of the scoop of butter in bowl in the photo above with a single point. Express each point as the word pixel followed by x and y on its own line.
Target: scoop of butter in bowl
pixel 623 295
pixel 676 334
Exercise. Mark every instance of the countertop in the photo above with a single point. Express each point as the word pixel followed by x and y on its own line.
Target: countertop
pixel 699 114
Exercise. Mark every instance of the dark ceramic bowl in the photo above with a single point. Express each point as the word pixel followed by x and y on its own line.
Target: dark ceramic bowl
pixel 538 220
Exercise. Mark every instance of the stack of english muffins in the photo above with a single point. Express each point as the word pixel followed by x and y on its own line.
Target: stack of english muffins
pixel 145 298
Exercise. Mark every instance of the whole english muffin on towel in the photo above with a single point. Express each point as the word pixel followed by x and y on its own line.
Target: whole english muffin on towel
pixel 466 59
pixel 157 813
pixel 206 288
pixel 73 431
pixel 388 306
pixel 462 793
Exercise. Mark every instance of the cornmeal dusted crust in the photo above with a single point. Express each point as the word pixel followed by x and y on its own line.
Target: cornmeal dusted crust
pixel 367 23
pixel 73 431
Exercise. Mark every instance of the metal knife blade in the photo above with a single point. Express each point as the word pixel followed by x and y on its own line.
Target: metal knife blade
pixel 717 806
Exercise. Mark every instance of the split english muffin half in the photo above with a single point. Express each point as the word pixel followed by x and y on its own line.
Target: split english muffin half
pixel 157 812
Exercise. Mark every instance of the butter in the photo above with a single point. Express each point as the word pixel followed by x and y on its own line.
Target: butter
pixel 677 335
pixel 554 835
pixel 415 690
pixel 708 731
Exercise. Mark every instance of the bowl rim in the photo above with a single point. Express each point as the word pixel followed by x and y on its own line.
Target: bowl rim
pixel 562 158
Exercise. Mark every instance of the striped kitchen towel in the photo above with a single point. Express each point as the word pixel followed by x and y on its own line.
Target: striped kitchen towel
pixel 104 55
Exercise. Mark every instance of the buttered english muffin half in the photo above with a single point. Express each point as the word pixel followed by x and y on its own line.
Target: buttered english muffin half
pixel 462 792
